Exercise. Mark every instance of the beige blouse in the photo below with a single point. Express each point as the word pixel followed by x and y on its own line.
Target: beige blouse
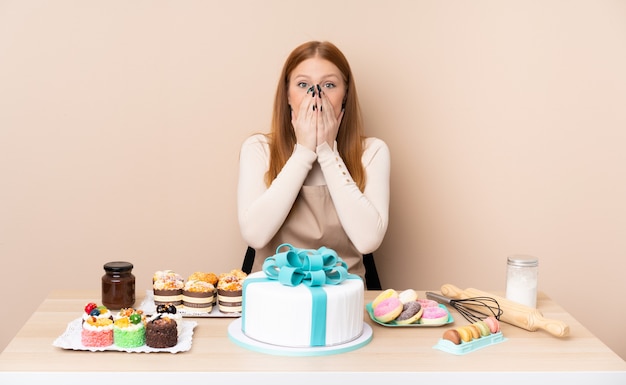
pixel 313 202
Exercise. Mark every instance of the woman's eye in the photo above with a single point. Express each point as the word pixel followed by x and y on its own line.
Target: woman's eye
pixel 302 85
pixel 329 85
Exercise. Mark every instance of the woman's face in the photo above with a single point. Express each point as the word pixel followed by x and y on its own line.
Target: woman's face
pixel 312 72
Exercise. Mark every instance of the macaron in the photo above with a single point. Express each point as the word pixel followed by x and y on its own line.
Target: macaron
pixel 434 316
pixel 411 313
pixel 474 330
pixel 389 293
pixel 452 336
pixel 492 322
pixel 484 329
pixel 407 296
pixel 388 309
pixel 466 335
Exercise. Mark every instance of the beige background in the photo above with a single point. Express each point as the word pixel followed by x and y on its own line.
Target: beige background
pixel 120 126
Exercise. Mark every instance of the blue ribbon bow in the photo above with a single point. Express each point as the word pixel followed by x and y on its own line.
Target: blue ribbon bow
pixel 307 266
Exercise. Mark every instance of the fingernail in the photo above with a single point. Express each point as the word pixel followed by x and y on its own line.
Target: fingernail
pixel 311 89
pixel 314 107
pixel 319 90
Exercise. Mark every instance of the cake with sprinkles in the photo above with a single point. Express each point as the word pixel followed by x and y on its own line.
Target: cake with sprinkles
pixel 128 329
pixel 97 332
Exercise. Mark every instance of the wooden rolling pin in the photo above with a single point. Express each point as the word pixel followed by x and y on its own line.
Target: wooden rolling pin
pixel 512 312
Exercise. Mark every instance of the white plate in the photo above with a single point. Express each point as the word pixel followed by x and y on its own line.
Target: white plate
pixel 71 340
pixel 148 307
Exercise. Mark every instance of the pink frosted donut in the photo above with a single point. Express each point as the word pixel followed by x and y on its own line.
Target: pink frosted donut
pixel 428 303
pixel 434 316
pixel 388 309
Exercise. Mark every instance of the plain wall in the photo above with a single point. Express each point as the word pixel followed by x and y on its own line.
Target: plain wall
pixel 121 121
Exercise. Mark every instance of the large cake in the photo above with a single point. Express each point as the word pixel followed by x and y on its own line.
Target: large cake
pixel 303 298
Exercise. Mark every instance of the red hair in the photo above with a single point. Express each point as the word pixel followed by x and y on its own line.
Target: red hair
pixel 282 138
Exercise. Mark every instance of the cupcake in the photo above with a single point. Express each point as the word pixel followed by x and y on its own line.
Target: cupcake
pixel 128 329
pixel 198 295
pixel 205 277
pixel 161 332
pixel 229 291
pixel 167 288
pixel 97 332
pixel 93 310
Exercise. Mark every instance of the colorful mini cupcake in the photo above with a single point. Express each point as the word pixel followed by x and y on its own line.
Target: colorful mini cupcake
pixel 168 288
pixel 129 330
pixel 198 296
pixel 97 332
pixel 229 291
pixel 100 312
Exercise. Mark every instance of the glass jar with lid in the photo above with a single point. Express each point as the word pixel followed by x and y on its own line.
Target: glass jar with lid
pixel 118 285
pixel 521 279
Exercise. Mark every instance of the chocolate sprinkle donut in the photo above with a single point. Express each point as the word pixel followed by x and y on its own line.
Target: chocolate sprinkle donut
pixel 409 310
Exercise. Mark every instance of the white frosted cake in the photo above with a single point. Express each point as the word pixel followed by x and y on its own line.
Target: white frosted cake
pixel 301 315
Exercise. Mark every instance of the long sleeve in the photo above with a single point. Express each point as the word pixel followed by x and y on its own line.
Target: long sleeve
pixel 363 215
pixel 261 209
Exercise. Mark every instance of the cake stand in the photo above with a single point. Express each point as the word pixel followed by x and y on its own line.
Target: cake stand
pixel 238 337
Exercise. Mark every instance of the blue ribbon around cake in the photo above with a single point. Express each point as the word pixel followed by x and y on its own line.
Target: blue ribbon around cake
pixel 312 268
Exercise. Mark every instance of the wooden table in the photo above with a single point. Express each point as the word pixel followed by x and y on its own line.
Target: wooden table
pixel 395 355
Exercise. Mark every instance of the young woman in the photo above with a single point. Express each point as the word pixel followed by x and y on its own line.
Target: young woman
pixel 315 180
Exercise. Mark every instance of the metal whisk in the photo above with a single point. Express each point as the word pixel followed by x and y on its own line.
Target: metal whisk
pixel 472 309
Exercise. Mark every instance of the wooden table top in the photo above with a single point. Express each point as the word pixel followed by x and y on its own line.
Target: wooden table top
pixel 392 353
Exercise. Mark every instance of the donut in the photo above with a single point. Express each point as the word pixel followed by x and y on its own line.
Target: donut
pixel 428 303
pixel 388 309
pixel 434 316
pixel 407 296
pixel 452 336
pixel 492 322
pixel 411 312
pixel 484 329
pixel 389 293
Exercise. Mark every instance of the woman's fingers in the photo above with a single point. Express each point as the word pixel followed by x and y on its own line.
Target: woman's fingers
pixel 328 122
pixel 305 121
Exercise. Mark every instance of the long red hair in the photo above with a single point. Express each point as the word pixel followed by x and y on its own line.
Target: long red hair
pixel 282 138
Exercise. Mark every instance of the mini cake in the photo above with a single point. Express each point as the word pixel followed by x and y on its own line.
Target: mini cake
pixel 161 332
pixel 93 310
pixel 198 295
pixel 170 311
pixel 206 277
pixel 229 291
pixel 128 329
pixel 167 288
pixel 97 332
